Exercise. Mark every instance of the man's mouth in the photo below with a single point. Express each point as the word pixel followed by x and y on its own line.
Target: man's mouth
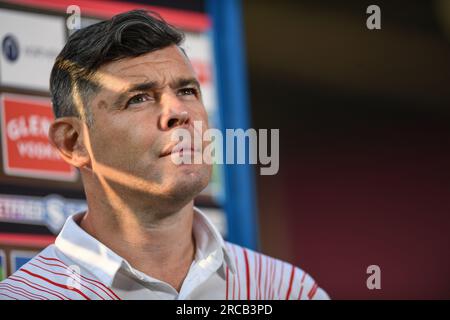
pixel 180 150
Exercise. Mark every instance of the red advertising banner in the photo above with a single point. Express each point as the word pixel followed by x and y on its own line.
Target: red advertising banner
pixel 27 151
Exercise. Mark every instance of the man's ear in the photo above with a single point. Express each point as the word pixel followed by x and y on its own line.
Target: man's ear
pixel 66 134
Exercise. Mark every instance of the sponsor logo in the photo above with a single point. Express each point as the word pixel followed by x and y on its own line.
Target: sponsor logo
pixel 51 211
pixel 27 150
pixel 10 48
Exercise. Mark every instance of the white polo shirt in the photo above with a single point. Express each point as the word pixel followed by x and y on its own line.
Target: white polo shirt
pixel 77 266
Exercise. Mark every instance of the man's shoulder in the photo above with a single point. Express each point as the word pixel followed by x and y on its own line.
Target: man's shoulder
pixel 26 282
pixel 271 278
pixel 48 277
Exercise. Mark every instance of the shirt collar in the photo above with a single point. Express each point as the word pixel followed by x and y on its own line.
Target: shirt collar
pixel 208 238
pixel 101 261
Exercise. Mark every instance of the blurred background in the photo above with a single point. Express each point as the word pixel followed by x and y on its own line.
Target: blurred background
pixel 364 124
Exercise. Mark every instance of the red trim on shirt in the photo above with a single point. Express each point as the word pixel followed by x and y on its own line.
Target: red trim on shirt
pixel 18 294
pixel 281 280
pixel 301 286
pixel 247 272
pixel 86 278
pixel 25 281
pixel 20 291
pixel 274 270
pixel 55 284
pixel 290 283
pixel 226 290
pixel 267 275
pixel 256 272
pixel 313 291
pixel 66 275
pixel 237 271
pixel 4 294
pixel 259 277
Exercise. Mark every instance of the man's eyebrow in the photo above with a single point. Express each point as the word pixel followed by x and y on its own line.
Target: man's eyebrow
pixel 144 86
pixel 184 82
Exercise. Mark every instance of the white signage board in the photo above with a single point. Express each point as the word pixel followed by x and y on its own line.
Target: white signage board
pixel 30 43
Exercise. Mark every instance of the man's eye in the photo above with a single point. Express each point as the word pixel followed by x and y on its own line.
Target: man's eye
pixel 140 98
pixel 188 92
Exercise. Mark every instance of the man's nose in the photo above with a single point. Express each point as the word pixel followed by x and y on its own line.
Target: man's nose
pixel 174 114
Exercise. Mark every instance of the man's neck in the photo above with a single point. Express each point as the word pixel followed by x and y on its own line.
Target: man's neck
pixel 162 248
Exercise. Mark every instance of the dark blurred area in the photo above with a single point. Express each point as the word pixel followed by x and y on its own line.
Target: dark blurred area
pixel 364 123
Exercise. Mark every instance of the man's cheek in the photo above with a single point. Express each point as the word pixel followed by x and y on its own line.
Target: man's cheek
pixel 108 144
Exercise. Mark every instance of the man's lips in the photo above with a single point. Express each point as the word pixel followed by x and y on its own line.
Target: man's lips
pixel 178 149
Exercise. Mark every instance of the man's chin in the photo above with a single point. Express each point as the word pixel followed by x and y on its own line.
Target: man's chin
pixel 189 183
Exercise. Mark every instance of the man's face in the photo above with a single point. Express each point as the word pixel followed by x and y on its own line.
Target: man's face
pixel 142 101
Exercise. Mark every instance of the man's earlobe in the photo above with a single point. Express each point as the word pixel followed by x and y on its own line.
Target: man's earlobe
pixel 66 135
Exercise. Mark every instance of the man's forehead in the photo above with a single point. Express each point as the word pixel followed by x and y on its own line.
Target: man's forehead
pixel 166 58
pixel 158 66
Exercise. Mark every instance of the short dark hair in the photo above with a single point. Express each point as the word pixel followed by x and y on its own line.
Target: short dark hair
pixel 128 34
